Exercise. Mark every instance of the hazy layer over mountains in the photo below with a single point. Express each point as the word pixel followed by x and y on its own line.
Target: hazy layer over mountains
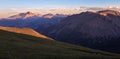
pixel 33 15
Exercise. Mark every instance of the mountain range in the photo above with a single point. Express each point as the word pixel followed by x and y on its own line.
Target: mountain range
pixel 33 15
pixel 98 30
pixel 31 20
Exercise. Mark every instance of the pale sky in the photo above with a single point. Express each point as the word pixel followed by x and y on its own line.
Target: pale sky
pixel 10 7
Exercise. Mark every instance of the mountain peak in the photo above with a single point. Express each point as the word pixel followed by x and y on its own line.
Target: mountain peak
pixel 23 15
pixel 48 15
pixel 29 14
pixel 106 12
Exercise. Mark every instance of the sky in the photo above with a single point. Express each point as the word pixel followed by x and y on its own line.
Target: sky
pixel 14 6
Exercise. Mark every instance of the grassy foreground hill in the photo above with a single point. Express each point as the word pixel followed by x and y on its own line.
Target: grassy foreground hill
pixel 21 46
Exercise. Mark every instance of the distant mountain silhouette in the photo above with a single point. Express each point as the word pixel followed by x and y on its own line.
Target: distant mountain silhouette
pixel 53 16
pixel 23 15
pixel 99 30
pixel 32 15
pixel 31 20
pixel 48 15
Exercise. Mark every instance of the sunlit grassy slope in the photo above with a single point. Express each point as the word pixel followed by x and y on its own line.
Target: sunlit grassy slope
pixel 27 31
pixel 21 46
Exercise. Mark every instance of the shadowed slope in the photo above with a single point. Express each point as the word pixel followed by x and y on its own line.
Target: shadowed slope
pixel 99 30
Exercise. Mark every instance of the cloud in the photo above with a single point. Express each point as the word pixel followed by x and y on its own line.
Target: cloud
pixel 12 11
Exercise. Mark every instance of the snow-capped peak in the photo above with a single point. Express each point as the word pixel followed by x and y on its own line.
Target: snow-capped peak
pixel 106 12
pixel 23 15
